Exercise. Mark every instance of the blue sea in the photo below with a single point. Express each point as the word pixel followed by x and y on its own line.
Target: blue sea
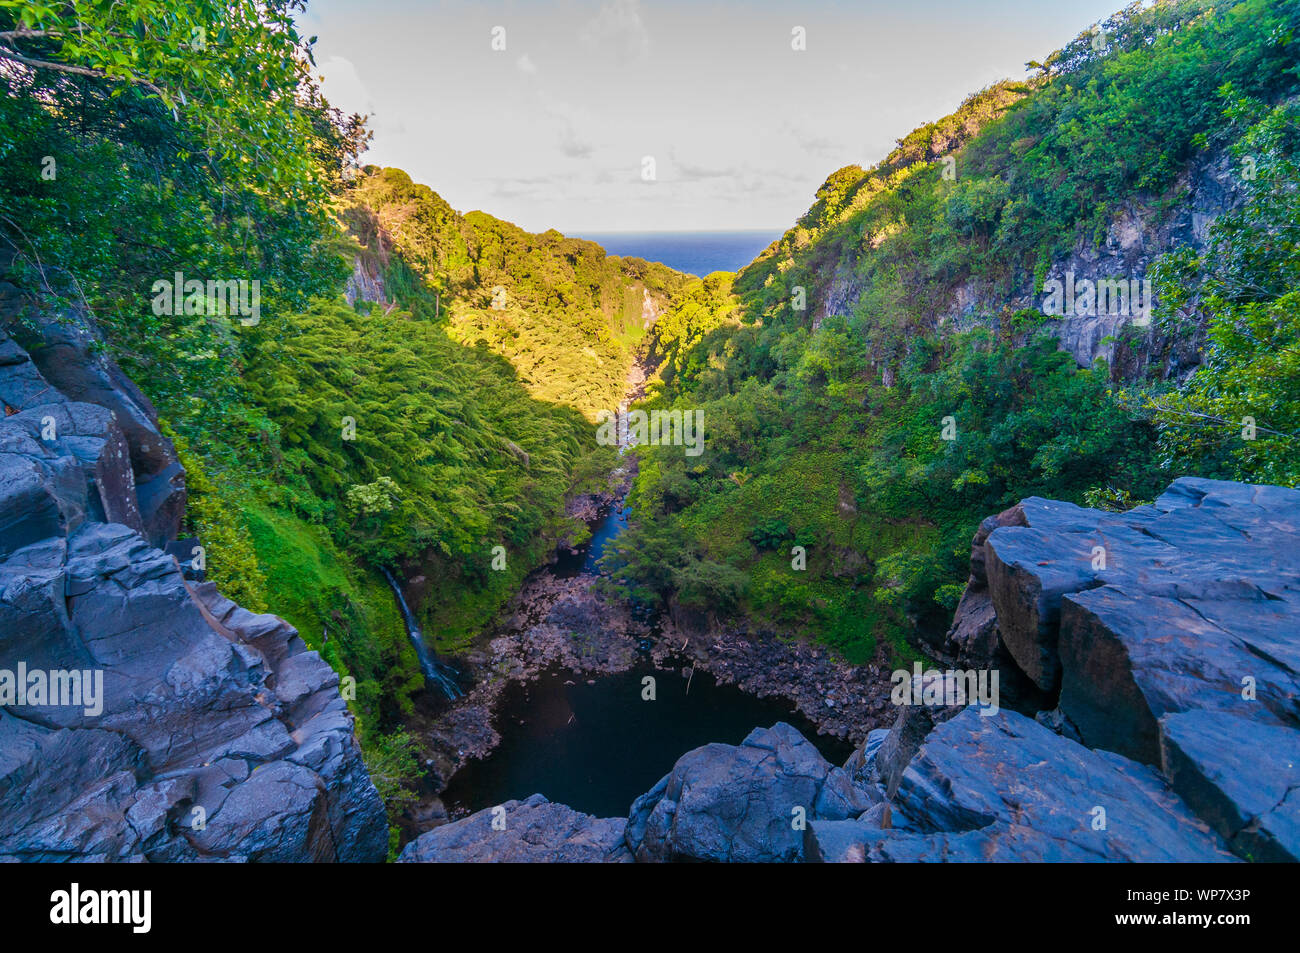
pixel 696 253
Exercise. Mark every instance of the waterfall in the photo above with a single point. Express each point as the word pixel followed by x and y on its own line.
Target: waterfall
pixel 435 672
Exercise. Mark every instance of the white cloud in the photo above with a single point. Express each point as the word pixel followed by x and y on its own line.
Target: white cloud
pixel 343 87
pixel 526 66
pixel 572 146
pixel 618 29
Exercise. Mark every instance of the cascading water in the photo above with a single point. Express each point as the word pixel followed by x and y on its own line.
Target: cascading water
pixel 435 672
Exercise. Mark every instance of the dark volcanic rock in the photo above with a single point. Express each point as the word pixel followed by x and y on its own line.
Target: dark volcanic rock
pixel 1004 788
pixel 190 729
pixel 535 831
pixel 1213 760
pixel 1130 658
pixel 1210 622
pixel 1191 602
pixel 64 356
pixel 743 803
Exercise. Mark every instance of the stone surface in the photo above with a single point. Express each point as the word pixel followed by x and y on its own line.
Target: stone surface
pixel 740 803
pixel 1208 620
pixel 1004 788
pixel 1170 607
pixel 1242 776
pixel 535 831
pixel 214 734
pixel 63 352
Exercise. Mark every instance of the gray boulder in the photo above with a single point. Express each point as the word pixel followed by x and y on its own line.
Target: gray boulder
pixel 1004 788
pixel 743 803
pixel 535 831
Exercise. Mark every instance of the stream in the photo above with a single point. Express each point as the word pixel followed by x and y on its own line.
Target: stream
pixel 597 743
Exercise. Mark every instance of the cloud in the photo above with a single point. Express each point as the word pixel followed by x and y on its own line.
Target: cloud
pixel 810 142
pixel 618 29
pixel 689 172
pixel 526 185
pixel 572 146
pixel 343 87
pixel 526 65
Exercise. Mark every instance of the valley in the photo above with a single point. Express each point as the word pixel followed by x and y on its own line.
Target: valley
pixel 956 522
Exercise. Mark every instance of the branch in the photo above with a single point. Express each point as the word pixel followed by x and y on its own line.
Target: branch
pixel 8 54
pixel 1221 421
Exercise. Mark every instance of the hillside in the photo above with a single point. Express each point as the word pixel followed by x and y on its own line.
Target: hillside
pixel 315 545
pixel 377 412
pixel 889 372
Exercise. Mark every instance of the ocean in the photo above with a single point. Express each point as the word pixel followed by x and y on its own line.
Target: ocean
pixel 696 253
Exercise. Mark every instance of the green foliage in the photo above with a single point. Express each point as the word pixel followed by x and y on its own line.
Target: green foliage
pixel 826 426
pixel 133 146
pixel 341 609
pixel 450 456
pixel 392 761
pixel 214 512
pixel 564 314
pixel 1239 415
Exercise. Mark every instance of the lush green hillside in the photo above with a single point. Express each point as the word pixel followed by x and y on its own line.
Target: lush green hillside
pixel 423 432
pixel 877 441
pixel 566 316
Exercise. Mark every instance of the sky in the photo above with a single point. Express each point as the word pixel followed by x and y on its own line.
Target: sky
pixel 545 112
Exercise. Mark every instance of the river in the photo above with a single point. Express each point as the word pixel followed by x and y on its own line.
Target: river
pixel 597 743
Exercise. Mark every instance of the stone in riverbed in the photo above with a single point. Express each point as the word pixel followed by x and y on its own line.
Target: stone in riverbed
pixel 536 831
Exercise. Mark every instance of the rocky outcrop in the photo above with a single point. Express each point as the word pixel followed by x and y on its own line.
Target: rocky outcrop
pixel 52 357
pixel 1190 603
pixel 532 831
pixel 743 803
pixel 366 283
pixel 1169 636
pixel 1004 788
pixel 143 716
pixel 1140 231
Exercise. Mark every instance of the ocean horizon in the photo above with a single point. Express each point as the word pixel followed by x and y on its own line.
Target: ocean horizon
pixel 696 253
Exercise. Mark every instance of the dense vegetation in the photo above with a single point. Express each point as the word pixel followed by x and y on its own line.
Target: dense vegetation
pixel 406 424
pixel 566 316
pixel 867 429
pixel 420 386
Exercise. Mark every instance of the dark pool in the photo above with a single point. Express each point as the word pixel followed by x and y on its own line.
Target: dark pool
pixel 597 747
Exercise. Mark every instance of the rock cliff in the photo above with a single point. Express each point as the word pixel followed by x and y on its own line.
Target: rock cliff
pixel 200 730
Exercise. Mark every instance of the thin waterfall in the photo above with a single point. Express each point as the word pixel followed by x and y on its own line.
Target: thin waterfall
pixel 435 672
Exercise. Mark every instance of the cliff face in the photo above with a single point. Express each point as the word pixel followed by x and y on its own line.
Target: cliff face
pixel 196 729
pixel 1142 230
